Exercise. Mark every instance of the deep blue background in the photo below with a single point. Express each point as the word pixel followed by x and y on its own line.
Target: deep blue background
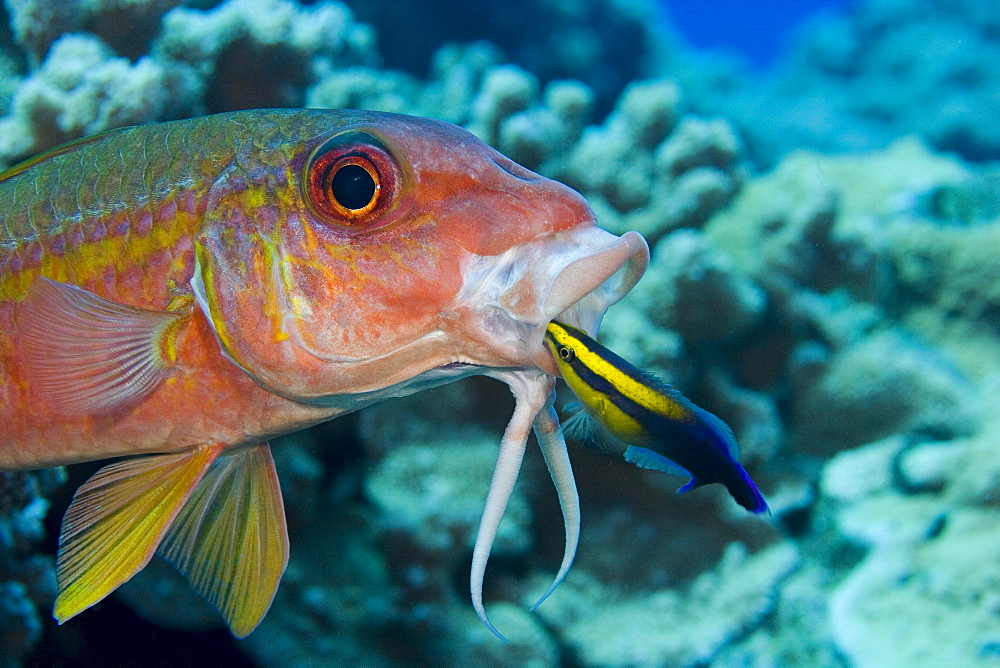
pixel 755 28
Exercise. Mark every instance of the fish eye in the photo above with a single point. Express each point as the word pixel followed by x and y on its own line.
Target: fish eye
pixel 354 186
pixel 350 181
pixel 566 354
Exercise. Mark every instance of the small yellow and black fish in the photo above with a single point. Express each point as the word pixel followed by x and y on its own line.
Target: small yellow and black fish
pixel 646 421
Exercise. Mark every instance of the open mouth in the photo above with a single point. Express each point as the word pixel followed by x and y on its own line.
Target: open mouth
pixel 572 276
pixel 586 287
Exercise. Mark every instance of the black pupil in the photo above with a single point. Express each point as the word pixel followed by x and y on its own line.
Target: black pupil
pixel 566 353
pixel 353 187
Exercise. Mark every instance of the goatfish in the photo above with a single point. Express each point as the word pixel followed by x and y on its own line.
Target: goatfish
pixel 632 414
pixel 179 293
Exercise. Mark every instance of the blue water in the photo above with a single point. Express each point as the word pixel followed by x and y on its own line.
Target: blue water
pixel 758 29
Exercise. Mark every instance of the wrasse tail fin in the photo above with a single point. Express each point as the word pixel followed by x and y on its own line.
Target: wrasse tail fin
pixel 745 491
pixel 736 480
pixel 116 521
pixel 230 540
pixel 86 354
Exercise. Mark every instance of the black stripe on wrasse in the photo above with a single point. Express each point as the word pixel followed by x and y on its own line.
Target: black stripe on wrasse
pixel 611 357
pixel 607 388
pixel 697 440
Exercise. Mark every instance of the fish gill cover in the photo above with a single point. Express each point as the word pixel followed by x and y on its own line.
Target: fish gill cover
pixel 824 278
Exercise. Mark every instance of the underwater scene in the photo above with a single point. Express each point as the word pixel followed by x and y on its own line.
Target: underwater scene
pixel 818 184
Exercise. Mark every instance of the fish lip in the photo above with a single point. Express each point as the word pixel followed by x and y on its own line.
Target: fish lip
pixel 573 275
pixel 584 290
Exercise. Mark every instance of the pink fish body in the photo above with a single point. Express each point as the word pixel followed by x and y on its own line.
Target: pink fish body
pixel 188 290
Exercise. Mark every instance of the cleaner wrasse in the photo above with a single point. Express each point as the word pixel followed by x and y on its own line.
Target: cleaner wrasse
pixel 181 292
pixel 632 414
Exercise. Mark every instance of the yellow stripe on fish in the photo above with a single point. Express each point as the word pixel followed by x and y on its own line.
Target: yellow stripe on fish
pixel 182 292
pixel 646 421
pixel 589 369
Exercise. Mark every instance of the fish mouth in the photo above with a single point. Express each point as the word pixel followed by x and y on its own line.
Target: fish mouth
pixel 573 276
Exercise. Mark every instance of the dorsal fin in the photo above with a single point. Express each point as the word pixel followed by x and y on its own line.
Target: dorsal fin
pixel 717 428
pixel 66 147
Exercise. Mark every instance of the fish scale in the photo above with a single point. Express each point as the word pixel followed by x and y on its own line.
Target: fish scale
pixel 180 293
pixel 121 193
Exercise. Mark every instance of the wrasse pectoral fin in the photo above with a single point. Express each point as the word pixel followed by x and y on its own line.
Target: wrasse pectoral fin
pixel 230 540
pixel 116 521
pixel 583 427
pixel 86 354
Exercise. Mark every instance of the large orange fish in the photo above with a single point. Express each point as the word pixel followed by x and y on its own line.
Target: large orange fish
pixel 186 291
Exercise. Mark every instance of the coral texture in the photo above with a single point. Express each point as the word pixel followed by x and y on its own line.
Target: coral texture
pixel 27 577
pixel 824 278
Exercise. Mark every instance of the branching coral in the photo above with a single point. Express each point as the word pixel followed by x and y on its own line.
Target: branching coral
pixel 816 307
pixel 82 88
pixel 183 62
pixel 648 168
pixel 288 44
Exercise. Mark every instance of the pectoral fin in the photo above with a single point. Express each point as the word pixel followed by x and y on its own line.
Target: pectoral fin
pixel 230 540
pixel 116 521
pixel 86 354
pixel 584 428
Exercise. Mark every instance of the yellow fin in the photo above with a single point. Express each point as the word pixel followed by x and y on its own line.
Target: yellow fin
pixel 230 540
pixel 116 522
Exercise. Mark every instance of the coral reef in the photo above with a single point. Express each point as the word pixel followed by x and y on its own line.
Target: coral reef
pixel 930 572
pixel 27 578
pixel 694 291
pixel 428 492
pixel 824 283
pixel 857 79
pixel 287 43
pixel 652 168
pixel 186 62
pixel 720 606
pixel 82 87
pixel 853 298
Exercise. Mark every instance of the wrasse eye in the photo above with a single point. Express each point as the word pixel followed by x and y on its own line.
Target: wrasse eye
pixel 566 354
pixel 351 180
